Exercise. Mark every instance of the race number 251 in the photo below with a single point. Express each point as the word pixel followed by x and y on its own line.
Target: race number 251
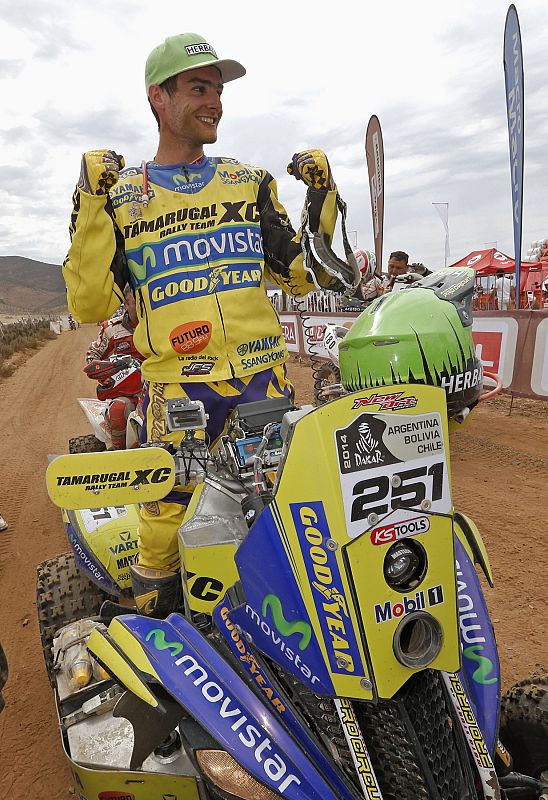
pixel 382 494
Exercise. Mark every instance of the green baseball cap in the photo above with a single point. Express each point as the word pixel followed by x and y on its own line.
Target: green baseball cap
pixel 183 52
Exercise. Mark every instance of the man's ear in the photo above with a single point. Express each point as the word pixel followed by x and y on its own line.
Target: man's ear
pixel 156 96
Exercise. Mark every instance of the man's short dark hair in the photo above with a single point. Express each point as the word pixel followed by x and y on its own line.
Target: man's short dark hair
pixel 170 86
pixel 500 273
pixel 399 255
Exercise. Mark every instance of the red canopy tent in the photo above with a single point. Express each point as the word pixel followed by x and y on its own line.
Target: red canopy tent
pixel 487 262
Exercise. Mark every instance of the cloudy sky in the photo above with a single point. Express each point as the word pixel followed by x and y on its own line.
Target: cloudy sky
pixel 71 78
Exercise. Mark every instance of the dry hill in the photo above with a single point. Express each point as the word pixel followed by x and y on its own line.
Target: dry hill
pixel 28 285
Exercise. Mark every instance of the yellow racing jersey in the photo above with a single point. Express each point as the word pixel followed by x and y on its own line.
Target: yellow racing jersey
pixel 198 256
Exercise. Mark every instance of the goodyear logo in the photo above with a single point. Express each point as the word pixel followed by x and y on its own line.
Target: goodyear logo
pixel 249 661
pixel 323 573
pixel 184 285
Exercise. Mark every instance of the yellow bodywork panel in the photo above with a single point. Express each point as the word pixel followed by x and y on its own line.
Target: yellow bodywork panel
pixel 117 477
pixel 374 467
pixel 120 666
pixel 208 570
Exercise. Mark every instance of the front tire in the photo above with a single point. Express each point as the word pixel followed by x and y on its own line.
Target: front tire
pixel 63 595
pixel 86 444
pixel 524 726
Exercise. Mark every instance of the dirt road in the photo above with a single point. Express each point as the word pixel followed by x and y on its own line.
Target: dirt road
pixel 499 474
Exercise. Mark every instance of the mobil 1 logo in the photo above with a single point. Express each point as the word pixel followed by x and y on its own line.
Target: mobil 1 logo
pixel 390 465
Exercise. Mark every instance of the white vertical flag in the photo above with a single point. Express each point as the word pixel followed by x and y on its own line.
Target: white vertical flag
pixel 443 211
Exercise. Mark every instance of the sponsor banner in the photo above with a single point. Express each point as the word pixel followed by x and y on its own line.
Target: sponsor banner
pixel 85 558
pixel 258 345
pixel 114 478
pixel 539 371
pixel 374 152
pixel 209 689
pixel 476 743
pixel 290 330
pixel 197 368
pixel 268 690
pixel 328 590
pixel 480 663
pixel 191 337
pixel 275 614
pixel 393 401
pixel 314 332
pixel 246 657
pixel 495 341
pixel 389 465
pixel 198 283
pixel 243 175
pixel 358 750
pixel 418 601
pixel 386 534
pixel 513 79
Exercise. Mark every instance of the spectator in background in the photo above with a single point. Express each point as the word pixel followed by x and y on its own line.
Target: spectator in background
pixel 504 291
pixel 370 285
pixel 398 264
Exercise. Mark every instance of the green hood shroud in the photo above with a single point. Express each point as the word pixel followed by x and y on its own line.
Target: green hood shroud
pixel 410 336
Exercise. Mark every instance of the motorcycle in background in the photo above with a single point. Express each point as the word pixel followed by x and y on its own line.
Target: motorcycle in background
pixel 117 376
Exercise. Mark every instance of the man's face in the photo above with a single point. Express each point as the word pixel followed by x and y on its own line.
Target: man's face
pixel 396 267
pixel 129 303
pixel 193 112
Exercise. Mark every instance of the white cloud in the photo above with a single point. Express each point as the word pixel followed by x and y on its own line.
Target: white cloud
pixel 71 78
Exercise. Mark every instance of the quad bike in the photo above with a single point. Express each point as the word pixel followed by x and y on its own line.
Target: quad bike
pixel 333 641
pixel 117 376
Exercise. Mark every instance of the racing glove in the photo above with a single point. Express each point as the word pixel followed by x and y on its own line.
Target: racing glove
pixel 312 167
pixel 99 171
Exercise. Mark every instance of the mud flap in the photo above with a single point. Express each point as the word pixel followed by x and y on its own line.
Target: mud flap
pixel 113 478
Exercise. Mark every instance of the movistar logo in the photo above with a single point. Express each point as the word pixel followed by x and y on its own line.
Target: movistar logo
pixel 160 642
pixel 485 665
pixel 178 179
pixel 282 625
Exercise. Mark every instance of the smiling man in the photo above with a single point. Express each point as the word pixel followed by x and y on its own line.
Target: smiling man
pixel 197 237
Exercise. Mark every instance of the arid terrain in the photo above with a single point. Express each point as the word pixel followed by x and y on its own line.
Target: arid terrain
pixel 500 468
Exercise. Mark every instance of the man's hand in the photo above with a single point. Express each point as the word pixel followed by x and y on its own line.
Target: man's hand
pixel 99 171
pixel 312 167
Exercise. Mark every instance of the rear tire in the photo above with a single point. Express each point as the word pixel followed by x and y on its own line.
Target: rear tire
pixel 86 444
pixel 524 726
pixel 63 595
pixel 327 375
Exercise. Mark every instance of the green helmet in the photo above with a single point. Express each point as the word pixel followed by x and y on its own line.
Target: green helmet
pixel 420 334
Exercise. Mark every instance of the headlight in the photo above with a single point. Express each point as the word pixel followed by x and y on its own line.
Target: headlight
pixel 405 565
pixel 228 775
pixel 417 640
